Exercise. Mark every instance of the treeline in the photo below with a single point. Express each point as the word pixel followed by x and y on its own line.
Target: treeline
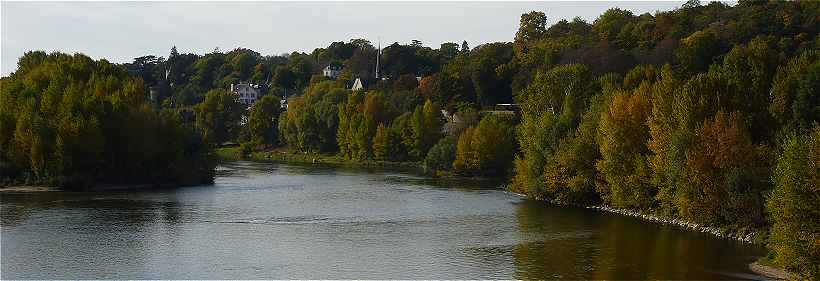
pixel 190 76
pixel 387 125
pixel 74 122
pixel 707 113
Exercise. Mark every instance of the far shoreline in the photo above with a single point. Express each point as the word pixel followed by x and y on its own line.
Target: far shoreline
pixel 28 188
pixel 287 156
pixel 23 188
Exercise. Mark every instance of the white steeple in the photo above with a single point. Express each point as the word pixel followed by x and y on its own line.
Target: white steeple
pixel 378 54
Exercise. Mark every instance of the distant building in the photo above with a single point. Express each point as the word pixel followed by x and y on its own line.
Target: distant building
pixel 453 124
pixel 154 96
pixel 505 109
pixel 158 93
pixel 332 71
pixel 358 85
pixel 283 104
pixel 247 93
pixel 514 107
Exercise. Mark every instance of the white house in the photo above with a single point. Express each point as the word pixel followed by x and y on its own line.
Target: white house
pixel 283 104
pixel 357 85
pixel 332 71
pixel 246 92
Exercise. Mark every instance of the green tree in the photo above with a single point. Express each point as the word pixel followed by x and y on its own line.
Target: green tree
pixel 441 156
pixel 486 149
pixel 532 28
pixel 71 121
pixel 795 102
pixel 381 143
pixel 609 24
pixel 724 175
pixel 562 92
pixel 261 128
pixel 218 116
pixel 751 68
pixel 464 161
pixel 570 175
pixel 284 77
pixel 623 136
pixel 697 51
pixel 358 120
pixel 431 123
pixel 243 63
pixel 402 139
pixel 793 204
pixel 666 159
pixel 448 51
pixel 312 120
pixel 490 87
pixel 552 105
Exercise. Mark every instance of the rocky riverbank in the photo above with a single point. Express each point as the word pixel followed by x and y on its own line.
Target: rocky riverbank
pixel 771 272
pixel 751 237
pixel 742 235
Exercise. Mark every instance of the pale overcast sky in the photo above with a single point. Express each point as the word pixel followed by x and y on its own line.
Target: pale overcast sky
pixel 121 31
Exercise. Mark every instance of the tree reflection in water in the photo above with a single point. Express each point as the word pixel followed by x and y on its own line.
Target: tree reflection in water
pixel 575 243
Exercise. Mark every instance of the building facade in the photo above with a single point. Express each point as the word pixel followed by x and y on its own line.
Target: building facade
pixel 358 85
pixel 247 93
pixel 332 71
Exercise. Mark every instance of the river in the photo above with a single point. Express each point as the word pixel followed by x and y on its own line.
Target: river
pixel 265 220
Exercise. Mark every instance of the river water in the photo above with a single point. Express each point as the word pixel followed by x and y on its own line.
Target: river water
pixel 262 220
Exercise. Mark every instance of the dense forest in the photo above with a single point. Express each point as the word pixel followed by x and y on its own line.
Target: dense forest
pixel 707 113
pixel 74 122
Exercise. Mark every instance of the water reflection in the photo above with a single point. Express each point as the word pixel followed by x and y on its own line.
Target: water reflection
pixel 583 244
pixel 109 208
pixel 263 220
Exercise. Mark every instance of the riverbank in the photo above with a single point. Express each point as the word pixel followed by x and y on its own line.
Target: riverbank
pixel 285 155
pixel 50 187
pixel 751 236
pixel 28 188
pixel 762 266
pixel 745 235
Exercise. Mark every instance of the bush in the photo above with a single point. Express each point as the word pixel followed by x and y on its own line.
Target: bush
pixel 441 156
pixel 245 150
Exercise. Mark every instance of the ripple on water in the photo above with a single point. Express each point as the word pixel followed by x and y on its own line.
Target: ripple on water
pixel 264 220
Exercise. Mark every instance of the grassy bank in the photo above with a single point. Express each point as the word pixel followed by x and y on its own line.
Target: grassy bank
pixel 286 155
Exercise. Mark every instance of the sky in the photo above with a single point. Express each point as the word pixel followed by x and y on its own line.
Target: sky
pixel 121 31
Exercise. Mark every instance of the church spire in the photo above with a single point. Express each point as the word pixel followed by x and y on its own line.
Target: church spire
pixel 378 54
